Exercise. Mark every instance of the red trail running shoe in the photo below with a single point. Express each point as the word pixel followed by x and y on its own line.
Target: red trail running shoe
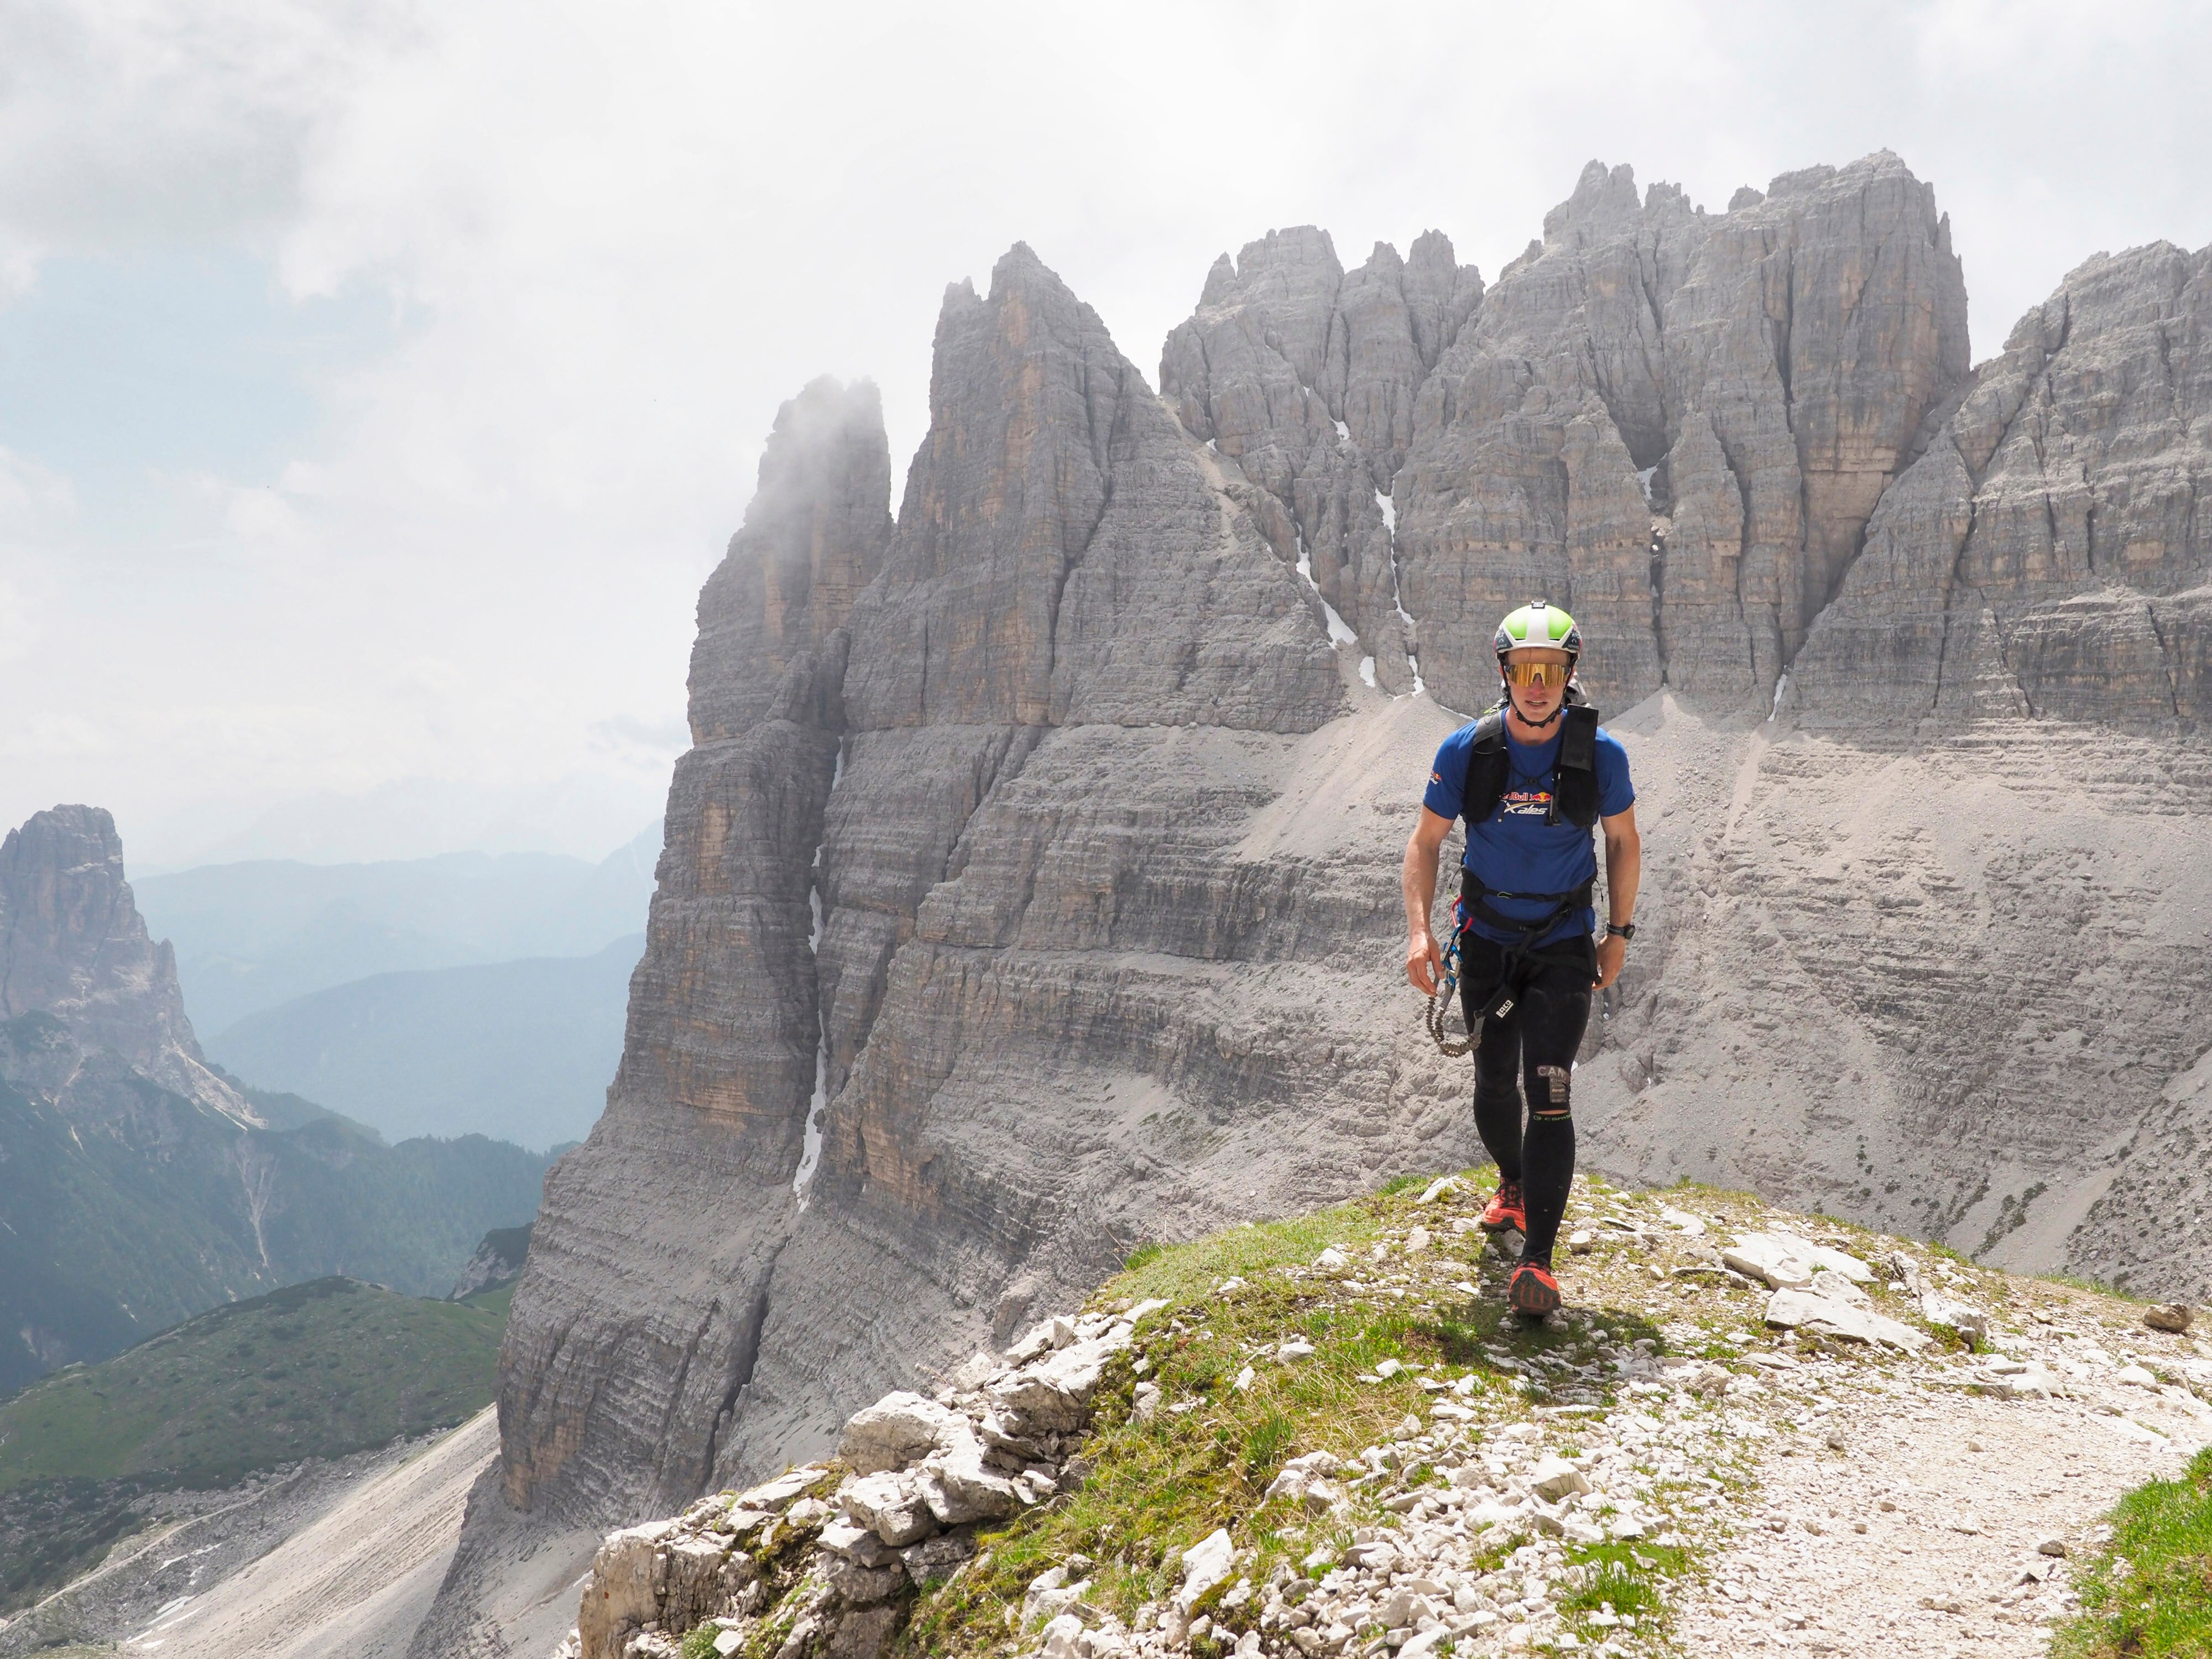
pixel 1504 1210
pixel 1532 1289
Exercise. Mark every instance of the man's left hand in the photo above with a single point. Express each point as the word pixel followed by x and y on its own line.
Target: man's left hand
pixel 1612 956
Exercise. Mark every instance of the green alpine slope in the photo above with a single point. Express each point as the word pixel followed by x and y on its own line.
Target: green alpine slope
pixel 318 1369
pixel 132 1208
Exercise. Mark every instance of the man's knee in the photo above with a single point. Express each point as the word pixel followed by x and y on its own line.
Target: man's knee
pixel 1551 1099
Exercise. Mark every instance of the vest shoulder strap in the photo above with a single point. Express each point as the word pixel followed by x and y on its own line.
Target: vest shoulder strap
pixel 1578 739
pixel 1574 785
pixel 1486 767
pixel 1574 788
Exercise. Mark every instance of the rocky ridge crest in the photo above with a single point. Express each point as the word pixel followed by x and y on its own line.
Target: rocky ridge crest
pixel 1572 1486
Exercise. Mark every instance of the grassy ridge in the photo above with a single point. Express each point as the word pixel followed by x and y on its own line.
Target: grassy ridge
pixel 317 1370
pixel 2149 1592
pixel 1157 1486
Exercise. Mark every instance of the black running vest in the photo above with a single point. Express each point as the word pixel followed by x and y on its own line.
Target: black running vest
pixel 1574 781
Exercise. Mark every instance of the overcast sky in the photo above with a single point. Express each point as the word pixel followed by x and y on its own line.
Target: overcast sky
pixel 378 381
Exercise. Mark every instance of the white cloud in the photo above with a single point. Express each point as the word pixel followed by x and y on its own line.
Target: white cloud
pixel 16 626
pixel 130 119
pixel 32 498
pixel 619 236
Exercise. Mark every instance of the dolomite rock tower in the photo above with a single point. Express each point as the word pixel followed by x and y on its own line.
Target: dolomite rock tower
pixel 1029 889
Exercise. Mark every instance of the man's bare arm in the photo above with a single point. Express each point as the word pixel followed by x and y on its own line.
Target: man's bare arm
pixel 1425 962
pixel 1624 873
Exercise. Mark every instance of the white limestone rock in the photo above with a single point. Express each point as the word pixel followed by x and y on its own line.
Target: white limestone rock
pixel 1205 1564
pixel 959 1487
pixel 1791 1309
pixel 1970 1322
pixel 899 1430
pixel 1555 1478
pixel 892 1506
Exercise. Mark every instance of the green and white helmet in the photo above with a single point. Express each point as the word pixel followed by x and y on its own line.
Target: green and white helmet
pixel 1539 623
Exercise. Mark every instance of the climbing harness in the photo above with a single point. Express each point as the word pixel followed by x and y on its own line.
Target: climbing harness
pixel 1574 799
pixel 1574 775
pixel 1513 956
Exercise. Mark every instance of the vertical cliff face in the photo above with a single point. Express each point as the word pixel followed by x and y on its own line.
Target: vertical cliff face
pixel 2048 555
pixel 1306 378
pixel 624 1386
pixel 813 537
pixel 907 833
pixel 73 945
pixel 1678 423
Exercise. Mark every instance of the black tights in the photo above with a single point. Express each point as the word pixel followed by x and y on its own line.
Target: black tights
pixel 1533 1047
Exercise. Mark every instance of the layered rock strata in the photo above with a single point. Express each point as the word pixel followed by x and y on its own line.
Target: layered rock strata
pixel 1677 424
pixel 1069 978
pixel 724 1037
pixel 1968 885
pixel 2049 556
pixel 1102 833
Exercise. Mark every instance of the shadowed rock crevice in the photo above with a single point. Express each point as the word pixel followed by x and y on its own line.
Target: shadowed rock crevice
pixel 1304 378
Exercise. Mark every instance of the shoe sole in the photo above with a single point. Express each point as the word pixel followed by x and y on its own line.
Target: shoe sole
pixel 1510 1224
pixel 1531 1297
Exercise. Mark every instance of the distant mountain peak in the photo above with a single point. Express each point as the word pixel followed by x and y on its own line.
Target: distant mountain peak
pixel 74 946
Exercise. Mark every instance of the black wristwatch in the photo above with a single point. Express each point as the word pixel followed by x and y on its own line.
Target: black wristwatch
pixel 1626 929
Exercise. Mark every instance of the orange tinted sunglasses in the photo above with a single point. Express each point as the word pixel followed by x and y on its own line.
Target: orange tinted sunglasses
pixel 1536 673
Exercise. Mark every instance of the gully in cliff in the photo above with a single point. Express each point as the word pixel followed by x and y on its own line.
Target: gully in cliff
pixel 1530 777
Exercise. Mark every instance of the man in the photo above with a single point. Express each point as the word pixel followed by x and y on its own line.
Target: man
pixel 1530 777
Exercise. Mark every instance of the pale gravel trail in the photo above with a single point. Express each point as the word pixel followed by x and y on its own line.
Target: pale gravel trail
pixel 1964 1524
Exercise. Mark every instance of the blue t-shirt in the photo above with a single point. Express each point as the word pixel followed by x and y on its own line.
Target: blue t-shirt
pixel 1514 849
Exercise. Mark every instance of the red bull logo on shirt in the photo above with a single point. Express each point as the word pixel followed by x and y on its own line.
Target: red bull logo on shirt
pixel 1525 804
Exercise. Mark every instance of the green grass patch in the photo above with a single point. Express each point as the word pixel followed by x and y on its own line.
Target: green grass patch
pixel 1397 1186
pixel 1626 1580
pixel 1156 1487
pixel 2147 1594
pixel 316 1369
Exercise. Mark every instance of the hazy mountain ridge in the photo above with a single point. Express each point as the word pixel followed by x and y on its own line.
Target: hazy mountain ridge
pixel 129 1208
pixel 257 935
pixel 143 1187
pixel 522 1050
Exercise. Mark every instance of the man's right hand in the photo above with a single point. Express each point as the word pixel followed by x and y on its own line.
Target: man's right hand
pixel 1425 963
